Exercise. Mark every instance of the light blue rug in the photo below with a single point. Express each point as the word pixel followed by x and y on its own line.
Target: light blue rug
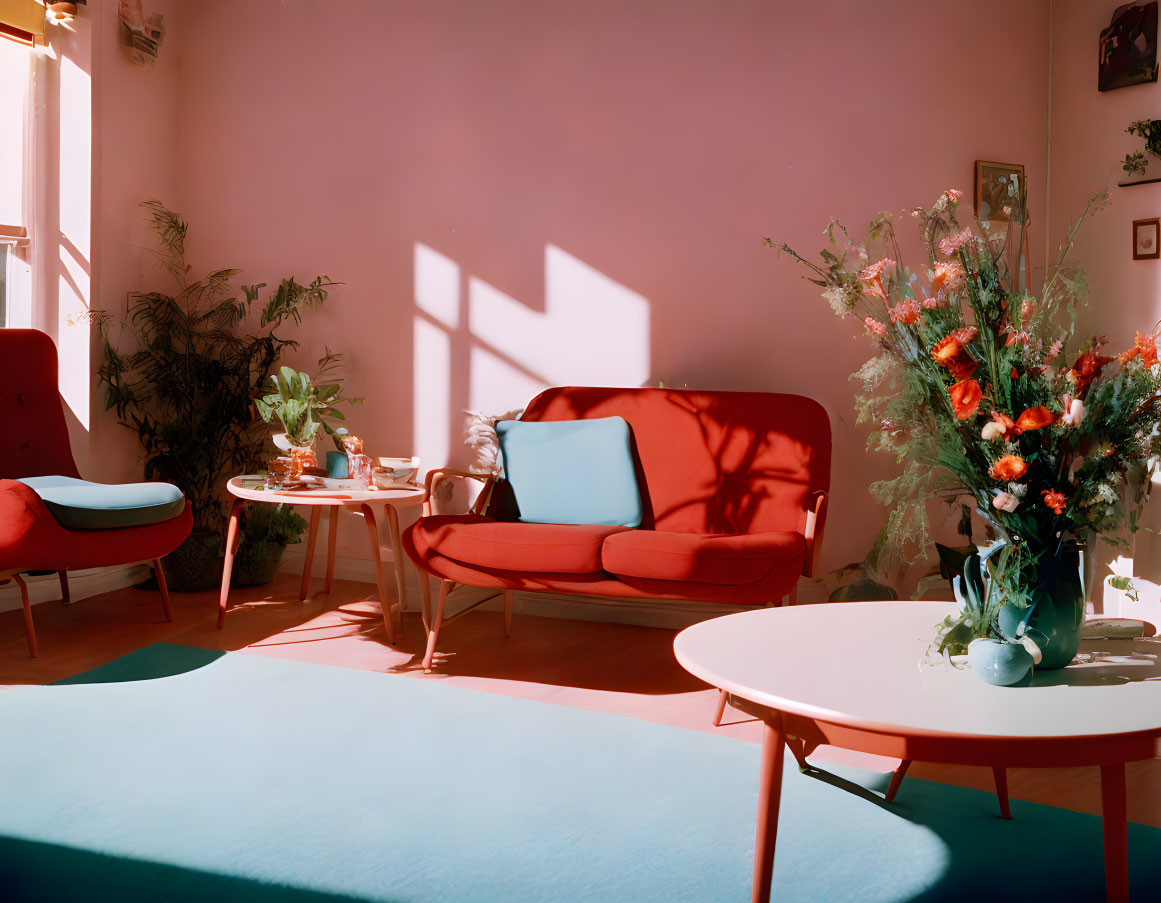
pixel 180 774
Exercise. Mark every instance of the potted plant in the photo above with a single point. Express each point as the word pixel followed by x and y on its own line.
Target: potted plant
pixel 180 370
pixel 267 531
pixel 983 392
pixel 304 406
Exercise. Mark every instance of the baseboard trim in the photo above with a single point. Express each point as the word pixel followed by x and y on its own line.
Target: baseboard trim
pixel 82 585
pixel 666 613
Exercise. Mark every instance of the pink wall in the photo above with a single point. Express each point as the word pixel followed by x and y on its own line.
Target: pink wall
pixel 1088 145
pixel 586 186
pixel 655 144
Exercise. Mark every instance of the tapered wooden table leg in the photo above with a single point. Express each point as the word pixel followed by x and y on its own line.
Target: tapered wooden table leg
pixel 228 561
pixel 1000 773
pixel 377 560
pixel 315 517
pixel 332 539
pixel 397 552
pixel 64 587
pixel 769 798
pixel 897 780
pixel 1114 816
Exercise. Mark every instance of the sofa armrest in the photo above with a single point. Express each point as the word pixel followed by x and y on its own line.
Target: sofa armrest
pixel 814 523
pixel 439 473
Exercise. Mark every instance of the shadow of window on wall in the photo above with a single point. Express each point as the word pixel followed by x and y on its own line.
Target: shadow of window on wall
pixel 477 348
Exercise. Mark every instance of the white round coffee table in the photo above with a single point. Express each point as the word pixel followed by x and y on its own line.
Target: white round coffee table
pixel 853 675
pixel 358 501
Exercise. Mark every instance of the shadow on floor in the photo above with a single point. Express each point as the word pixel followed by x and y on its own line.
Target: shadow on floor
pixel 42 872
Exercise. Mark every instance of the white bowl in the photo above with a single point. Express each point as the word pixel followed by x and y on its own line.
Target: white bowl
pixel 396 471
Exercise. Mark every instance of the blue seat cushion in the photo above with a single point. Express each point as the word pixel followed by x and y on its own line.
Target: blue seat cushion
pixel 81 505
pixel 571 471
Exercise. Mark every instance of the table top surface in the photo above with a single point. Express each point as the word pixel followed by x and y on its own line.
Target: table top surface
pixel 253 488
pixel 872 665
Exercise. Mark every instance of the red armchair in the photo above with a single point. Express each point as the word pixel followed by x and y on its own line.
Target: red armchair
pixel 35 443
pixel 734 487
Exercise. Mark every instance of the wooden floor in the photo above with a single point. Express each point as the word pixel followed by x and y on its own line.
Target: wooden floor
pixel 615 668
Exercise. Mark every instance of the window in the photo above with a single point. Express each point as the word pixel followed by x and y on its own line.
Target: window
pixel 14 188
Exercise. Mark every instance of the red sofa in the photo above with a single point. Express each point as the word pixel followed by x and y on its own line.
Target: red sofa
pixel 34 442
pixel 734 488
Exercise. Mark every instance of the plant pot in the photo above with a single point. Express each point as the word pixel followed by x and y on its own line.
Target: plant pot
pixel 1054 621
pixel 195 565
pixel 256 563
pixel 1000 663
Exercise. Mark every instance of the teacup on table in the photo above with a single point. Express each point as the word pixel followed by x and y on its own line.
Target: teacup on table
pixel 393 473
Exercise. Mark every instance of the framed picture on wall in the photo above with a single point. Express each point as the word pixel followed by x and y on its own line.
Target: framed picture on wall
pixel 1146 239
pixel 1128 47
pixel 993 201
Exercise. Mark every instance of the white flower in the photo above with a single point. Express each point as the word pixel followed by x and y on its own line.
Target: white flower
pixel 992 431
pixel 1073 411
pixel 1005 501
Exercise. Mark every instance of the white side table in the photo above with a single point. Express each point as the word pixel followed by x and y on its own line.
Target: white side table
pixel 360 502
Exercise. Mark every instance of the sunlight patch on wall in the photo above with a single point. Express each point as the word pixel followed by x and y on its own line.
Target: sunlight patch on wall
pixel 592 331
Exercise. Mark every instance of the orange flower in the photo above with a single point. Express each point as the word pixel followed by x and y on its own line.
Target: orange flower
pixel 1009 467
pixel 947 277
pixel 1144 345
pixel 963 365
pixel 906 312
pixel 945 350
pixel 965 398
pixel 1035 418
pixel 1007 425
pixel 876 327
pixel 1054 500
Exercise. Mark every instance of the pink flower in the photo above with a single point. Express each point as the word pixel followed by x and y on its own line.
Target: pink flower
pixel 872 278
pixel 932 303
pixel 876 327
pixel 992 431
pixel 953 195
pixel 1005 501
pixel 966 335
pixel 948 246
pixel 1073 411
pixel 1027 309
pixel 1055 348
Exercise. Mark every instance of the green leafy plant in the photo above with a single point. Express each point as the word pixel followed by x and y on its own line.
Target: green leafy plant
pixel 181 367
pixel 1150 130
pixel 304 405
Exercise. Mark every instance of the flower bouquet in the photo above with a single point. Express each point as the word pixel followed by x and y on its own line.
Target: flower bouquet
pixel 986 396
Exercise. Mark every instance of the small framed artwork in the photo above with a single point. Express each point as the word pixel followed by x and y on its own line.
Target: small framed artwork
pixel 1128 47
pixel 993 201
pixel 1146 239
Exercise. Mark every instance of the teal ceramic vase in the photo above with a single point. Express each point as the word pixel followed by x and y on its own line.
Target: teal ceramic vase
pixel 1054 621
pixel 1000 663
pixel 337 465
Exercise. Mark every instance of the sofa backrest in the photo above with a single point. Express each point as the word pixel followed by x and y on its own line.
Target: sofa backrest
pixel 712 462
pixel 34 441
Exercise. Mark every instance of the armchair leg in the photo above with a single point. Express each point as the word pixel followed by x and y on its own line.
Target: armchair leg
pixel 721 709
pixel 159 573
pixel 509 599
pixel 445 587
pixel 424 597
pixel 29 627
pixel 64 587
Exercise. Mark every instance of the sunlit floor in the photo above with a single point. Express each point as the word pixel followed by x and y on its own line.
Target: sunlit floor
pixel 624 670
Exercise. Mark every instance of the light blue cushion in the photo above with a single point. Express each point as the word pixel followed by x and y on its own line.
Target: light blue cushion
pixel 571 471
pixel 81 505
